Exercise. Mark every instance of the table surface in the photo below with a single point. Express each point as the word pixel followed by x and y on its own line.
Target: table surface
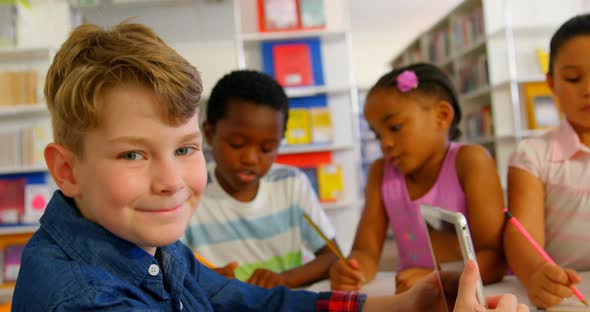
pixel 384 285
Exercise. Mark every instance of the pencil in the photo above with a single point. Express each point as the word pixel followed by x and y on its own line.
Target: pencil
pixel 330 244
pixel 203 260
pixel 539 250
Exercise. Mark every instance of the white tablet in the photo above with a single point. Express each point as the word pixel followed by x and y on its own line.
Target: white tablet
pixel 451 246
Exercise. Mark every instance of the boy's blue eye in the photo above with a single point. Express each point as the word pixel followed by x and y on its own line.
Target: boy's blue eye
pixel 131 156
pixel 572 79
pixel 185 150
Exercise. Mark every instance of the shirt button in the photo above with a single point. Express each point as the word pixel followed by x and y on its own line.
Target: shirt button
pixel 154 270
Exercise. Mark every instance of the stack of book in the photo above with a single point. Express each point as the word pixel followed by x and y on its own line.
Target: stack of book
pixel 310 121
pixel 324 175
pixel 23 197
pixel 18 88
pixel 22 147
pixel 285 15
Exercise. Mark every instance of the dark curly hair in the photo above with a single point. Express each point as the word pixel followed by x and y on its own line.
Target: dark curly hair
pixel 432 81
pixel 243 86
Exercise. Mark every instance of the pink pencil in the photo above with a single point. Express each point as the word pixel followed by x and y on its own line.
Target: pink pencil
pixel 540 250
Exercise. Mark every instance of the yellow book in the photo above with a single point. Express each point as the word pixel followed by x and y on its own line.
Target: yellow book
pixel 543 58
pixel 542 109
pixel 298 126
pixel 330 182
pixel 321 125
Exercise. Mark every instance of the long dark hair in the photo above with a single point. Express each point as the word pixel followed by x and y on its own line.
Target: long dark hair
pixel 578 25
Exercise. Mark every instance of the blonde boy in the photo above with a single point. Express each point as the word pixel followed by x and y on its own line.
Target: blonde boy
pixel 128 163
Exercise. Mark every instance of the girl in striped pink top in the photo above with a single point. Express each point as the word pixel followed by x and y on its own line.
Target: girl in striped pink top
pixel 414 113
pixel 549 178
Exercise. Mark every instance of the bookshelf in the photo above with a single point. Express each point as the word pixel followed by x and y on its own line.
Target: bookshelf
pixel 22 110
pixel 338 87
pixel 25 127
pixel 489 49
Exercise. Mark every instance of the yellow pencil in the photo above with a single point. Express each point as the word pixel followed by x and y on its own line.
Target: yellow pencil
pixel 203 260
pixel 330 244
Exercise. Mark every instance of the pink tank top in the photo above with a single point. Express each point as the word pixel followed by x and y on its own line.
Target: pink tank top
pixel 404 214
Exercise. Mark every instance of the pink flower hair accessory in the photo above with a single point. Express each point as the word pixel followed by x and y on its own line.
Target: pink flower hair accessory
pixel 407 81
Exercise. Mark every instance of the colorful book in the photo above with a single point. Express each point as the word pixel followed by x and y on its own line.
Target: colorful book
pixel 312 176
pixel 305 160
pixel 33 142
pixel 292 64
pixel 320 117
pixel 278 15
pixel 12 259
pixel 542 110
pixel 36 198
pixel 543 58
pixel 312 13
pixel 8 17
pixel 10 148
pixel 298 127
pixel 5 89
pixel 12 199
pixel 486 121
pixel 330 182
pixel 321 125
pixel 281 68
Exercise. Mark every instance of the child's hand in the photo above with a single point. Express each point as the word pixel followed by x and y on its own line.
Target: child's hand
pixel 426 295
pixel 467 300
pixel 266 278
pixel 228 270
pixel 405 279
pixel 346 275
pixel 549 284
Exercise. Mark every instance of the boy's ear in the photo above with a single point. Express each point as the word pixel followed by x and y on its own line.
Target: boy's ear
pixel 208 130
pixel 60 162
pixel 444 115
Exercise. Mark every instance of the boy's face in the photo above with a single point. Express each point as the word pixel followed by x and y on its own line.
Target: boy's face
pixel 245 144
pixel 140 178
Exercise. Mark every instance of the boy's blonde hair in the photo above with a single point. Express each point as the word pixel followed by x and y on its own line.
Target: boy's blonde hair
pixel 93 60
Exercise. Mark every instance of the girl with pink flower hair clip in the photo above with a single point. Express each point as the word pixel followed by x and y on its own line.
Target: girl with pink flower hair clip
pixel 414 112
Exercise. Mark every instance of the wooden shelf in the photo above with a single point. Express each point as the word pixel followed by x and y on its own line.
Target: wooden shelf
pixel 18 229
pixel 296 34
pixel 15 110
pixel 10 54
pixel 310 148
pixel 25 169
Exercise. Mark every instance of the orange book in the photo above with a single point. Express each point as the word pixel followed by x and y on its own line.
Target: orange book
pixel 293 64
pixel 278 15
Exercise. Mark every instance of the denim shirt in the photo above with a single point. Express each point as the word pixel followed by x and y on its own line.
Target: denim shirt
pixel 72 264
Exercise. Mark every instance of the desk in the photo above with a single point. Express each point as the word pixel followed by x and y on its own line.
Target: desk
pixel 384 285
